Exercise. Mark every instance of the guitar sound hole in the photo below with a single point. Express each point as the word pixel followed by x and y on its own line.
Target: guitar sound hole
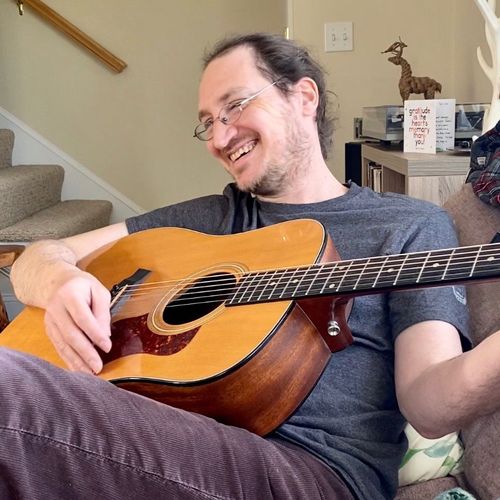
pixel 202 297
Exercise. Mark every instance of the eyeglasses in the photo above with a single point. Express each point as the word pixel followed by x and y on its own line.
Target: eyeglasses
pixel 229 114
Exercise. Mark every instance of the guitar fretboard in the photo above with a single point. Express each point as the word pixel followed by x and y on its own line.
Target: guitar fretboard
pixel 372 275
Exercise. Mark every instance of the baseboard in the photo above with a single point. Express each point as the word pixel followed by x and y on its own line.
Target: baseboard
pixel 79 182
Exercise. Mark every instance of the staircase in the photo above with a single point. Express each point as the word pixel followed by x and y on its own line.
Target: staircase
pixel 30 201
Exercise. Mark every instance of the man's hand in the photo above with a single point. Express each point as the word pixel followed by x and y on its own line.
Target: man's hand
pixel 77 305
pixel 77 319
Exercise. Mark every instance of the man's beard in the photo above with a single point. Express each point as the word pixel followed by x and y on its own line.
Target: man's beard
pixel 280 173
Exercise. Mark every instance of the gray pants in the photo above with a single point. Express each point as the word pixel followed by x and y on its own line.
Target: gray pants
pixel 73 436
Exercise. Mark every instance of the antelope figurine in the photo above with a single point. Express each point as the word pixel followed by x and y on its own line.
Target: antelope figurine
pixel 409 84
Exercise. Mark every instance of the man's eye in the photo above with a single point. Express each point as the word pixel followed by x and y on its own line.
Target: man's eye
pixel 207 124
pixel 234 105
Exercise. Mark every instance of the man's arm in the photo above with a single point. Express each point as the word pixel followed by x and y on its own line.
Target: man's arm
pixel 439 388
pixel 77 304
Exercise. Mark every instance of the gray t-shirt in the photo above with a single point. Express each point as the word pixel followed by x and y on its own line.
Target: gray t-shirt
pixel 351 418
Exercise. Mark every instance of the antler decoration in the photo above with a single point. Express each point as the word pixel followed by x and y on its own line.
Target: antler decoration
pixel 492 31
pixel 396 48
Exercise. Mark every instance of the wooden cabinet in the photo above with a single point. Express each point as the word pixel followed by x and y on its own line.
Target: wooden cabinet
pixel 432 177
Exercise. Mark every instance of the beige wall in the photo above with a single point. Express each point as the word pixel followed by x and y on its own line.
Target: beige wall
pixel 471 84
pixel 134 129
pixel 441 38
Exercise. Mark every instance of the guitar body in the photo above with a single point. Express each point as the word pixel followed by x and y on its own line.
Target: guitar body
pixel 246 365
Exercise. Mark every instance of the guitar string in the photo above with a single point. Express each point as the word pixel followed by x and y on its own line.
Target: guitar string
pixel 444 270
pixel 346 287
pixel 346 283
pixel 353 264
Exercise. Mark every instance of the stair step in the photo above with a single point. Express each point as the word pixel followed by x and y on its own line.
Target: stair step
pixel 6 146
pixel 27 189
pixel 64 219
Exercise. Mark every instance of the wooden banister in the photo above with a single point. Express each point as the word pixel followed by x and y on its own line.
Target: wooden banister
pixel 73 32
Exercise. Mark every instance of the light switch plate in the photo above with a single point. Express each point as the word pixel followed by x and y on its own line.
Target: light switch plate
pixel 338 36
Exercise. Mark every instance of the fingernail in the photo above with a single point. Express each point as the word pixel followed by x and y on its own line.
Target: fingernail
pixel 105 344
pixel 95 365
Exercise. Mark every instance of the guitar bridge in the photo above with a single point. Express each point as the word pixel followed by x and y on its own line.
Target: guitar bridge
pixel 135 278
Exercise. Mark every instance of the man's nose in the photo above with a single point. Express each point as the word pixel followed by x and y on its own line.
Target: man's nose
pixel 222 134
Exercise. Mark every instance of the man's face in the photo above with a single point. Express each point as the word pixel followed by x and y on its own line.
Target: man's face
pixel 263 149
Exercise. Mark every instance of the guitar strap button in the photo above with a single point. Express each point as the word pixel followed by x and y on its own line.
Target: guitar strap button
pixel 333 328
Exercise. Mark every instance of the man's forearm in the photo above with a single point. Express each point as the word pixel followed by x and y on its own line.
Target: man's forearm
pixel 449 395
pixel 36 273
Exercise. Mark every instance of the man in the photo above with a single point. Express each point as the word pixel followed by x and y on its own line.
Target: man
pixel 263 115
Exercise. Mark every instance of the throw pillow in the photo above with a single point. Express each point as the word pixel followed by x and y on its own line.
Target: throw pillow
pixel 430 458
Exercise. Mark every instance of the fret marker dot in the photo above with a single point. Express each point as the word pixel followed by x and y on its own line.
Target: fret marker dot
pixel 436 264
pixel 490 258
pixel 390 270
pixel 332 285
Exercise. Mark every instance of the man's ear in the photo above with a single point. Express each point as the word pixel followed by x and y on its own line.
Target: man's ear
pixel 307 90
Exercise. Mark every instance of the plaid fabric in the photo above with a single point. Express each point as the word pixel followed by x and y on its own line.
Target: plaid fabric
pixel 484 173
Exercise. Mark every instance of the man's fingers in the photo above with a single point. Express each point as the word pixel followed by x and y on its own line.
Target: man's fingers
pixel 75 350
pixel 78 319
pixel 84 319
pixel 101 299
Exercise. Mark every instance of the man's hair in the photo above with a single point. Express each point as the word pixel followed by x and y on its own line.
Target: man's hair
pixel 287 62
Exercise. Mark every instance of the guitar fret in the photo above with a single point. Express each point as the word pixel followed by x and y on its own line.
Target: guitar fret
pixel 423 267
pixel 260 287
pixel 360 275
pixel 434 267
pixel 317 270
pixel 327 280
pixel 459 265
pixel 395 282
pixel 269 283
pixel 391 269
pixel 251 288
pixel 488 262
pixel 375 281
pixel 280 287
pixel 301 282
pixel 339 286
pixel 292 281
pixel 242 288
pixel 475 260
pixel 448 264
pixel 370 273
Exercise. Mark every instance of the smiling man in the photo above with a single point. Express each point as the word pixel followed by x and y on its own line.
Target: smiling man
pixel 263 113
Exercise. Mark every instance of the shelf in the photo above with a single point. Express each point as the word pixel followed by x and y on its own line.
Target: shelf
pixel 432 177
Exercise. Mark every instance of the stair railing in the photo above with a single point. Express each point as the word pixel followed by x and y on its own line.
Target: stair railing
pixel 73 32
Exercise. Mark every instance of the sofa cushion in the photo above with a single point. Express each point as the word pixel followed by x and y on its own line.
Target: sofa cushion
pixel 426 490
pixel 476 224
pixel 482 455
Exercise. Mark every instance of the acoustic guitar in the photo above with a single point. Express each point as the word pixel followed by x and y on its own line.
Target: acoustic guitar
pixel 211 325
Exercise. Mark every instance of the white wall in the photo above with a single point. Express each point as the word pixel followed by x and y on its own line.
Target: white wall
pixel 133 129
pixel 30 148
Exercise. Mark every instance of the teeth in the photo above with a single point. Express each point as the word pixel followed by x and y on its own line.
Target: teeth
pixel 244 149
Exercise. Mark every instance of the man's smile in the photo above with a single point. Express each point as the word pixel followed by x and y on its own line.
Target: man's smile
pixel 242 150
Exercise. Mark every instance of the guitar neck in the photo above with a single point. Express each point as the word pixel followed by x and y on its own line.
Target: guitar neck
pixel 372 275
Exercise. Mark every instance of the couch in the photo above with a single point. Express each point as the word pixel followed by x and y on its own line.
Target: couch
pixel 476 224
